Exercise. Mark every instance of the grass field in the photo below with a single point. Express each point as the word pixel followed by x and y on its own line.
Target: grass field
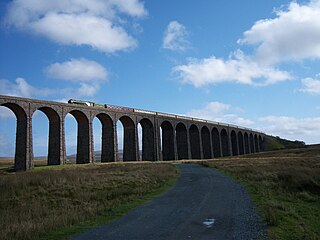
pixel 285 185
pixel 61 200
pixel 54 202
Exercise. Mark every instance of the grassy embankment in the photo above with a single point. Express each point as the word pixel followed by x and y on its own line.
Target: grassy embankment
pixel 285 185
pixel 56 202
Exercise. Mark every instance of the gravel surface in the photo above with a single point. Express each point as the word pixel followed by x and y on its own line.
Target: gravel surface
pixel 203 204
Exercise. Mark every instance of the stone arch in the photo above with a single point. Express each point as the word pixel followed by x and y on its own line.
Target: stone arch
pixel 234 143
pixel 20 158
pixel 107 138
pixel 129 139
pixel 206 146
pixel 224 143
pixel 83 139
pixel 256 143
pixel 251 143
pixel 194 142
pixel 182 141
pixel 216 142
pixel 54 155
pixel 167 141
pixel 260 143
pixel 148 147
pixel 246 143
pixel 240 141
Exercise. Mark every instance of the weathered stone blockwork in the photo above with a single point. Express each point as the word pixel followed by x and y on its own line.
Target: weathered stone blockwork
pixel 164 136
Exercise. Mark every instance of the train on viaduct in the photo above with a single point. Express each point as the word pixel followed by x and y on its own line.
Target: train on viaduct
pixel 164 136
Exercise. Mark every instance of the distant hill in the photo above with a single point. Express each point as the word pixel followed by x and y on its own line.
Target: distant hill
pixel 276 143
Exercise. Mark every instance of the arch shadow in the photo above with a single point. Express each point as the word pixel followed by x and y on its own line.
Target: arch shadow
pixel 206 146
pixel 167 141
pixel 148 147
pixel 129 141
pixel 182 141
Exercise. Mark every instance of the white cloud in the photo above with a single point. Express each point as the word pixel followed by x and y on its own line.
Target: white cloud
pixel 310 85
pixel 77 70
pixel 293 35
pixel 220 112
pixel 21 88
pixel 305 129
pixel 95 23
pixel 238 68
pixel 175 37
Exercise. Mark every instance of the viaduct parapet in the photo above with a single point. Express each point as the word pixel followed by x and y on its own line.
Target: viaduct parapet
pixel 164 136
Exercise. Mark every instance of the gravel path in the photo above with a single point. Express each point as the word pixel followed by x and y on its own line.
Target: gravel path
pixel 204 204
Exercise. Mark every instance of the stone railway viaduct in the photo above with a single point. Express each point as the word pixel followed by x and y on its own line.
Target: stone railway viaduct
pixel 164 136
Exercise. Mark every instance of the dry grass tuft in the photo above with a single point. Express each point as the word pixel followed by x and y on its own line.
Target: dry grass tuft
pixel 37 202
pixel 286 187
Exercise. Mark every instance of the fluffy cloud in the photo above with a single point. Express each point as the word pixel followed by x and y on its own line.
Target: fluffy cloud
pixel 293 35
pixel 238 68
pixel 21 88
pixel 95 23
pixel 77 70
pixel 220 112
pixel 310 85
pixel 175 37
pixel 292 128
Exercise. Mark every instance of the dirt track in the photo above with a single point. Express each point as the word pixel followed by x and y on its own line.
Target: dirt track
pixel 204 204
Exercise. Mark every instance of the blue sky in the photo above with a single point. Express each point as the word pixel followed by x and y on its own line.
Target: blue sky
pixel 251 63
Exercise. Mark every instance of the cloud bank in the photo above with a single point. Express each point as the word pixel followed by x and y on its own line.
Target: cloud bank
pixel 292 35
pixel 292 128
pixel 95 23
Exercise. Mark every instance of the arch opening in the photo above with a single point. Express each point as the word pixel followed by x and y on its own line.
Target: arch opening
pixel 129 139
pixel 20 152
pixel 147 140
pixel 260 143
pixel 182 141
pixel 83 140
pixel 54 136
pixel 234 143
pixel 256 143
pixel 107 138
pixel 241 144
pixel 216 143
pixel 167 140
pixel 225 143
pixel 246 143
pixel 206 146
pixel 194 142
pixel 252 150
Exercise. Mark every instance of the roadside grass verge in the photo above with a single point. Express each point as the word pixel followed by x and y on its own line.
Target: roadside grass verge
pixel 59 201
pixel 284 185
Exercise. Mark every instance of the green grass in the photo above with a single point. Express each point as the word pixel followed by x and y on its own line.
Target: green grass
pixel 54 202
pixel 285 185
pixel 276 143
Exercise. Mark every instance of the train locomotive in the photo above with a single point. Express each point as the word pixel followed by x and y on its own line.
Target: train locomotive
pixel 99 105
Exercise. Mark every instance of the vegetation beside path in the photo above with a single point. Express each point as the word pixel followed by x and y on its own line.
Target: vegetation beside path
pixel 54 202
pixel 285 185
